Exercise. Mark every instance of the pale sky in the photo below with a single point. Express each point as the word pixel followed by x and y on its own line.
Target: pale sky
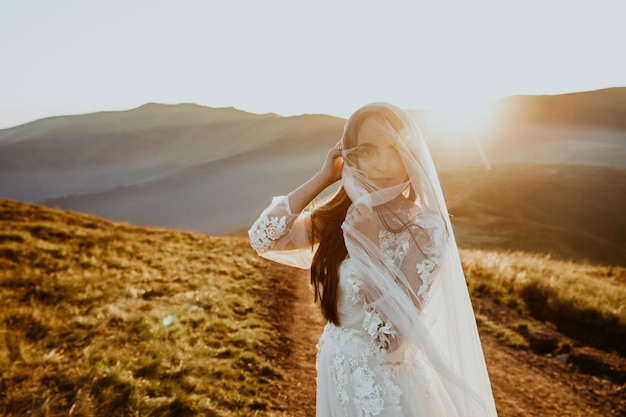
pixel 294 56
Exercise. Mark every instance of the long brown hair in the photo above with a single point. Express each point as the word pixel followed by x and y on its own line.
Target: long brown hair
pixel 331 251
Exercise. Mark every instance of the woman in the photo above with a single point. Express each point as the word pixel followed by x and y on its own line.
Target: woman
pixel 400 338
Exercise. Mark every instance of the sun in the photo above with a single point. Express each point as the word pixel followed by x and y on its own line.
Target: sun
pixel 459 117
pixel 462 124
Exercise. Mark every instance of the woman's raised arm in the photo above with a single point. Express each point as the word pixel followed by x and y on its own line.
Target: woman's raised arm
pixel 282 233
pixel 329 174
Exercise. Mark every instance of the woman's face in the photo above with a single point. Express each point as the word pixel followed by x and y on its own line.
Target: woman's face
pixel 377 154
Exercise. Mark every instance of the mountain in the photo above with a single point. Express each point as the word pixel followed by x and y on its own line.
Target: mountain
pixel 219 196
pixel 85 154
pixel 586 128
pixel 606 108
pixel 213 169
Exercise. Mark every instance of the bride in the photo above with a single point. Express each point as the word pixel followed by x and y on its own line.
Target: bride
pixel 400 338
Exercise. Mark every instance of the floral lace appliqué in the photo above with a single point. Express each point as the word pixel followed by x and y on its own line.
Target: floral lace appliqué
pixel 394 246
pixel 341 379
pixel 355 292
pixel 377 328
pixel 270 229
pixel 367 392
pixel 363 382
pixel 426 270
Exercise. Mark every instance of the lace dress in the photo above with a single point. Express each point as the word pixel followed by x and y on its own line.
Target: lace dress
pixel 361 372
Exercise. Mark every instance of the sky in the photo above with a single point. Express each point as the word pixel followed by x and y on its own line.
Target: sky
pixel 295 56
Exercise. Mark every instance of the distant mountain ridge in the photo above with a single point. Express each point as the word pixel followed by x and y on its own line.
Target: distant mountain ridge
pixel 73 155
pixel 213 169
pixel 146 117
pixel 605 107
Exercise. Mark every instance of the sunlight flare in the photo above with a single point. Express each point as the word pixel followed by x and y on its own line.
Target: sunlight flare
pixel 460 116
pixel 462 121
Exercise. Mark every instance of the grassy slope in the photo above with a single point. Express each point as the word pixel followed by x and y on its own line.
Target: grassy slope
pixel 573 212
pixel 583 302
pixel 567 323
pixel 101 318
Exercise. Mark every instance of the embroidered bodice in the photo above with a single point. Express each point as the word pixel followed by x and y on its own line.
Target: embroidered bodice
pixel 363 378
pixel 428 249
pixel 362 357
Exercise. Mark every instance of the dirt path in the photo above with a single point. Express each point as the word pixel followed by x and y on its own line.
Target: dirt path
pixel 524 383
pixel 303 325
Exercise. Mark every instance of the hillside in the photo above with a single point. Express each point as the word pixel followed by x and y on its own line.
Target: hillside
pixel 103 318
pixel 172 165
pixel 606 107
pixel 85 154
pixel 217 196
pixel 570 211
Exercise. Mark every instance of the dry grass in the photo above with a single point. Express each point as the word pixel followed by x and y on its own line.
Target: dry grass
pixel 586 303
pixel 502 333
pixel 101 318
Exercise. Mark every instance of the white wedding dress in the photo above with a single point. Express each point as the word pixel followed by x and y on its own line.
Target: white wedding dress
pixel 407 344
pixel 359 377
pixel 360 371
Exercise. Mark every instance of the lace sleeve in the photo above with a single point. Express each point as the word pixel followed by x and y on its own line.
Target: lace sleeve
pixel 282 236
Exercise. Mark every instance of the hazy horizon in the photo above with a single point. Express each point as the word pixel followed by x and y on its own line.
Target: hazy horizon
pixel 289 58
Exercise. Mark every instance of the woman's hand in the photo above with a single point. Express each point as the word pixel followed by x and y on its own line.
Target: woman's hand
pixel 331 170
pixel 330 173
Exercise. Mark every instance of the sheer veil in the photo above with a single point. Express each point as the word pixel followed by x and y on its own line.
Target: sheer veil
pixel 418 288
